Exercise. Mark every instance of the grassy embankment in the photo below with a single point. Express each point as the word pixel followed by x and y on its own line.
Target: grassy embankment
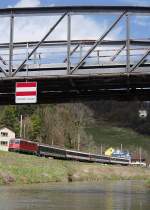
pixel 113 136
pixel 23 169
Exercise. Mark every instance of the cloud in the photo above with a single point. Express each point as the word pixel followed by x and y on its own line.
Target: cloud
pixel 142 20
pixel 137 2
pixel 28 3
pixel 35 27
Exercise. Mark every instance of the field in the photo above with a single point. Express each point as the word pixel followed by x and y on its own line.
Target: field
pixel 25 169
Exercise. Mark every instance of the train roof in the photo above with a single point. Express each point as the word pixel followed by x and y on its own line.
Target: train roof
pixel 46 145
pixel 21 139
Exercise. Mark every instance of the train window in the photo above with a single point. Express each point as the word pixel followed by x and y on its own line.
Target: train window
pixel 77 154
pixel 17 141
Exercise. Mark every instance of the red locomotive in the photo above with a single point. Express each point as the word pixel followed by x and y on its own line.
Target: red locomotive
pixel 23 145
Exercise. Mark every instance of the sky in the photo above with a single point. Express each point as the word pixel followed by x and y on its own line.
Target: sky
pixel 30 28
pixel 6 3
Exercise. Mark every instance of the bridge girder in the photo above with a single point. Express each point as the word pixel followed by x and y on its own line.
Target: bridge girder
pixel 74 89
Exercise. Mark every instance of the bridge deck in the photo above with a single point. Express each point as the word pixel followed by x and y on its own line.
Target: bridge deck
pixel 85 87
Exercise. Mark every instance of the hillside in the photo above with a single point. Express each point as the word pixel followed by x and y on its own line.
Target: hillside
pixel 112 136
pixel 83 126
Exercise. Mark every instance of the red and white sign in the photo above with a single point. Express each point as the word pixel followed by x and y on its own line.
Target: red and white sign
pixel 26 92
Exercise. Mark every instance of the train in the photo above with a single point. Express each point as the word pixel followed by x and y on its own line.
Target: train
pixel 117 153
pixel 43 150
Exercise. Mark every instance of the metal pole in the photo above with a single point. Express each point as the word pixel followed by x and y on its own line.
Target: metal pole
pixel 140 153
pixel 71 53
pixel 69 42
pixel 24 131
pixel 5 73
pixel 11 44
pixel 98 57
pixel 21 126
pixel 27 52
pixel 117 53
pixel 101 149
pixel 3 61
pixel 128 43
pixel 121 147
pixel 140 61
pixel 81 49
pixel 35 58
pixel 78 140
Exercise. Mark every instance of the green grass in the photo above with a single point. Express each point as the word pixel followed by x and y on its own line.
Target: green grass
pixel 112 136
pixel 148 183
pixel 25 169
pixel 30 169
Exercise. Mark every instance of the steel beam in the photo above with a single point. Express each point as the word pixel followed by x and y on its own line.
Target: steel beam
pixel 3 61
pixel 140 61
pixel 11 44
pixel 98 42
pixel 39 43
pixel 128 42
pixel 71 53
pixel 98 55
pixel 118 53
pixel 74 10
pixel 69 42
pixel 4 72
pixel 74 42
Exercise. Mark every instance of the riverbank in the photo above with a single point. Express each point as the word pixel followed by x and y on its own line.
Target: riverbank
pixel 25 169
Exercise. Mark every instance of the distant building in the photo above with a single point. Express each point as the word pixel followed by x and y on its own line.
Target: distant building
pixel 5 135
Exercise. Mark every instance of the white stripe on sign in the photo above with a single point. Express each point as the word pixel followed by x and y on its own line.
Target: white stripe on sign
pixel 25 89
pixel 26 100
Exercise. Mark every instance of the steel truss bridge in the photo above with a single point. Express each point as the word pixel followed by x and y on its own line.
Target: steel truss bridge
pixel 71 70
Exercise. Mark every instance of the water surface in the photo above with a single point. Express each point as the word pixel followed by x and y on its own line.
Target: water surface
pixel 109 195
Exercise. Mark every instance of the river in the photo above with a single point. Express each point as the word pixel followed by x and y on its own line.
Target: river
pixel 108 195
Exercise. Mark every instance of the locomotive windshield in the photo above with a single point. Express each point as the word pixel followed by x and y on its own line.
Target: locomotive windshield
pixel 17 141
pixel 12 141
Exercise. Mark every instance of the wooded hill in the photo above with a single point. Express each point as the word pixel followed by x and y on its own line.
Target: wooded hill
pixel 89 127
